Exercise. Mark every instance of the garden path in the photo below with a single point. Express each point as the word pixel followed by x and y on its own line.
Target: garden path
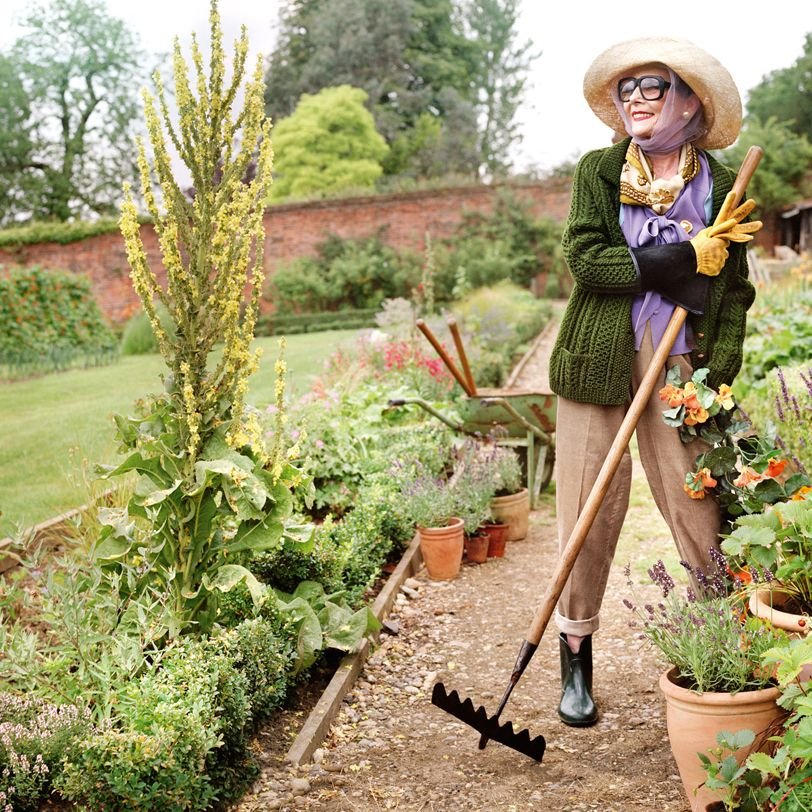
pixel 390 748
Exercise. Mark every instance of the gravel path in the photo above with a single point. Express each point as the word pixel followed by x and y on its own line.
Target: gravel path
pixel 390 748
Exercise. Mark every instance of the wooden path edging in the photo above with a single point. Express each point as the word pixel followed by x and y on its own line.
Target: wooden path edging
pixel 321 717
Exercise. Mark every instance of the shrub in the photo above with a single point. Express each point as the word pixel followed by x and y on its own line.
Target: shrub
pixel 50 321
pixel 138 337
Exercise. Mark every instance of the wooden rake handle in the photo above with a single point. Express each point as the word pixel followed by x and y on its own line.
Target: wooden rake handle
pixel 596 496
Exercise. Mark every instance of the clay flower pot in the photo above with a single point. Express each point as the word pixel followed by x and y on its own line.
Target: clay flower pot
pixel 770 603
pixel 514 511
pixel 497 538
pixel 476 548
pixel 441 548
pixel 694 720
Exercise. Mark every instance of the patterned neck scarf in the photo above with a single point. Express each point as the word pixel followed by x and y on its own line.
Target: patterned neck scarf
pixel 639 187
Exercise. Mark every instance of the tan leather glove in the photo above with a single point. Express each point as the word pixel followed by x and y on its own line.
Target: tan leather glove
pixel 711 252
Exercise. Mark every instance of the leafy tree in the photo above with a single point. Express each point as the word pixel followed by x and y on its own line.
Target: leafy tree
pixel 328 144
pixel 499 79
pixel 781 173
pixel 411 58
pixel 786 94
pixel 80 69
pixel 16 144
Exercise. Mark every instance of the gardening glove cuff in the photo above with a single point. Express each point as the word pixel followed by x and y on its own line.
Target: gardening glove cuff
pixel 671 270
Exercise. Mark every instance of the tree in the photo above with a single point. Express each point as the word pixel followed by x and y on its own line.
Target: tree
pixel 786 94
pixel 80 69
pixel 411 58
pixel 329 143
pixel 784 167
pixel 16 143
pixel 499 79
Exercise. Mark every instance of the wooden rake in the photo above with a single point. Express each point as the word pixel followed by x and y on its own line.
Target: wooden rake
pixel 489 727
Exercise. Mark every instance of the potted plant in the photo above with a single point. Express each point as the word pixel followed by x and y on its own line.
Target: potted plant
pixel 715 680
pixel 510 504
pixel 781 780
pixel 473 485
pixel 431 502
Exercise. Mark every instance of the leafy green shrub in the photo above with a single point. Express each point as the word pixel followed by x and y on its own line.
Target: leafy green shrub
pixel 63 233
pixel 49 321
pixel 34 737
pixel 294 323
pixel 357 274
pixel 138 337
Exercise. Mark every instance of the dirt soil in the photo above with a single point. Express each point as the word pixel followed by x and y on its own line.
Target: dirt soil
pixel 390 748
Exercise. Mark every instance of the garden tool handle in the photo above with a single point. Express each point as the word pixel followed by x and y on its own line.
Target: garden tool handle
pixel 452 367
pixel 610 465
pixel 455 333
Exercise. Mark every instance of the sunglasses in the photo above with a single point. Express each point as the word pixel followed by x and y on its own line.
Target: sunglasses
pixel 651 87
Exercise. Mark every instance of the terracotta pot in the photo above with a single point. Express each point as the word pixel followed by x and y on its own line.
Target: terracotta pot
pixel 497 537
pixel 769 602
pixel 441 548
pixel 694 720
pixel 476 548
pixel 514 511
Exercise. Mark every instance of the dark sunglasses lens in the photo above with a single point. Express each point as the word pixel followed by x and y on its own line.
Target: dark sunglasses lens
pixel 625 88
pixel 651 87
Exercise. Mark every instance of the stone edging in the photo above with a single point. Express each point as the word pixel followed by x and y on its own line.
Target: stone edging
pixel 321 717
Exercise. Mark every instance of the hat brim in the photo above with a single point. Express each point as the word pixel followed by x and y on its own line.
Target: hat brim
pixel 705 75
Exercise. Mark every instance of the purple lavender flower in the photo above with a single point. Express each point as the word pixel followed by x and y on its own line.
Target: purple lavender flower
pixel 779 410
pixel 659 576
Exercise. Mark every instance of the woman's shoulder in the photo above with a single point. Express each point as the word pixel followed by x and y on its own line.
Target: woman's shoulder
pixel 720 171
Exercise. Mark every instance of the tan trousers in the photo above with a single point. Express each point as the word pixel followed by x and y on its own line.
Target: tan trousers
pixel 584 434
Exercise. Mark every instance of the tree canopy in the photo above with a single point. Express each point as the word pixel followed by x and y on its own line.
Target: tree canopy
pixel 73 78
pixel 443 80
pixel 329 143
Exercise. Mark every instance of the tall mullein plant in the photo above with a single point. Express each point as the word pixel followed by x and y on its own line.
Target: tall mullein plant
pixel 209 493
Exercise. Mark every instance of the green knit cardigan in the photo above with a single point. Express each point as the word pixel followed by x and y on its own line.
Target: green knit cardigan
pixel 592 358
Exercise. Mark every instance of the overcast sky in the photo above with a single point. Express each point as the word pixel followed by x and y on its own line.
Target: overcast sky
pixel 750 37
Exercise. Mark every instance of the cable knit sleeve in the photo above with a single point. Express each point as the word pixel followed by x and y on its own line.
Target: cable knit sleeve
pixel 593 244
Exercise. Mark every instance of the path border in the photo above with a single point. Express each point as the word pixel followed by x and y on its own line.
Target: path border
pixel 315 728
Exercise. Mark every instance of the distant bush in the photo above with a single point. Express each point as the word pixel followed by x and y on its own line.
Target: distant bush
pixel 63 233
pixel 138 337
pixel 49 321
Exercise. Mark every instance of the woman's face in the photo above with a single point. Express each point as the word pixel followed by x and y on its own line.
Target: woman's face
pixel 644 113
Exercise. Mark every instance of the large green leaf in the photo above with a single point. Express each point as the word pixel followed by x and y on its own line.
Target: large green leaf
pixel 229 575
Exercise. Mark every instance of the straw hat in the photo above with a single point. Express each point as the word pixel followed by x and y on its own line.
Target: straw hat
pixel 706 76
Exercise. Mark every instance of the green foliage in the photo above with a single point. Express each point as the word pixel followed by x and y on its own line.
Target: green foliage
pixel 782 176
pixel 786 95
pixel 34 738
pixel 62 233
pixel 138 337
pixel 80 69
pixel 293 323
pixel 50 321
pixel 327 144
pixel 357 274
pixel 16 143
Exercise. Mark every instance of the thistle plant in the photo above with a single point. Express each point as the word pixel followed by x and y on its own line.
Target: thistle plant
pixel 209 494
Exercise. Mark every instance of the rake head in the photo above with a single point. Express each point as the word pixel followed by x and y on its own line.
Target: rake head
pixel 489 727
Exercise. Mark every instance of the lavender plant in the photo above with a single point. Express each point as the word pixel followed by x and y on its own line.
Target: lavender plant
pixel 705 634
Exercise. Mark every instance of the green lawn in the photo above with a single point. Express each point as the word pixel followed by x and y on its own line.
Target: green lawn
pixel 53 428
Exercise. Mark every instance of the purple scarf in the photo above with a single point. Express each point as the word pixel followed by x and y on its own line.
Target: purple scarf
pixel 642 227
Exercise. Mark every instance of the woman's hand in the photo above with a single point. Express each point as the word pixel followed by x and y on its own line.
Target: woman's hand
pixel 712 242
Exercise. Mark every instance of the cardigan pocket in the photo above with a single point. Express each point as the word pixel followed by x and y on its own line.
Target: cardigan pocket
pixel 574 368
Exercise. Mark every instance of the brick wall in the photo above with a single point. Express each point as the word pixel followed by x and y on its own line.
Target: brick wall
pixel 294 230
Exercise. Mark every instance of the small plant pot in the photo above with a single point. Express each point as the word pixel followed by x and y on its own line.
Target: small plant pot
pixel 441 548
pixel 497 539
pixel 476 548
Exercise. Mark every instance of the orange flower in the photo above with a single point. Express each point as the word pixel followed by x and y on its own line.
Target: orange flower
pixel 695 415
pixel 775 467
pixel 725 397
pixel 800 494
pixel 748 476
pixel 672 395
pixel 696 483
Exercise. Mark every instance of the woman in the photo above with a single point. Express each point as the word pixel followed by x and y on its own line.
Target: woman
pixel 637 244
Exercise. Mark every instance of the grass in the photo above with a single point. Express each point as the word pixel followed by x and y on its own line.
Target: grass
pixel 55 428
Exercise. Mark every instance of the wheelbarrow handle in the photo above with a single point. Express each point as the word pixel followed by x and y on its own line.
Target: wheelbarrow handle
pixel 506 405
pixel 452 367
pixel 461 354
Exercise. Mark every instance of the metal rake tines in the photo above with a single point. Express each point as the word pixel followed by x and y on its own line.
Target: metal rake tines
pixel 489 727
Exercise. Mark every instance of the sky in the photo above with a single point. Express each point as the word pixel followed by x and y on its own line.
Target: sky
pixel 750 38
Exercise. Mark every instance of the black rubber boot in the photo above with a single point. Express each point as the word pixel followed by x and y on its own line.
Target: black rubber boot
pixel 577 708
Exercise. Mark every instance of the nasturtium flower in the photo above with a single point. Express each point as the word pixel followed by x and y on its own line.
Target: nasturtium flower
pixel 672 395
pixel 725 397
pixel 697 482
pixel 775 467
pixel 748 476
pixel 801 493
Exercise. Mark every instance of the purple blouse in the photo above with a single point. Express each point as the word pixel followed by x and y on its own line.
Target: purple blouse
pixel 642 227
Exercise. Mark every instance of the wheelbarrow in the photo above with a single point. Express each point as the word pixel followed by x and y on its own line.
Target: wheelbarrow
pixel 522 419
